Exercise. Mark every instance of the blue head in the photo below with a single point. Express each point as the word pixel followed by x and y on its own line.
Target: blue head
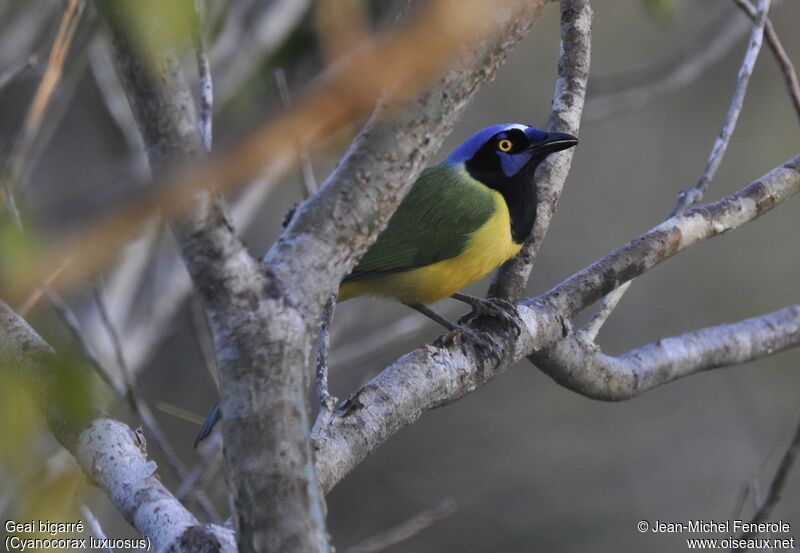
pixel 504 158
pixel 503 151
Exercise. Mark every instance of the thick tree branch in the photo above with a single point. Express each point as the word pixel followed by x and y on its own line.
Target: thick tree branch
pixel 578 365
pixel 573 74
pixel 263 381
pixel 111 454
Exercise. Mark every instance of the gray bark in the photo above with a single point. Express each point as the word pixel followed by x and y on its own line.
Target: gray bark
pixel 573 74
pixel 263 380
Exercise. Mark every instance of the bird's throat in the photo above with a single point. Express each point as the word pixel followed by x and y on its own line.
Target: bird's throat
pixel 519 193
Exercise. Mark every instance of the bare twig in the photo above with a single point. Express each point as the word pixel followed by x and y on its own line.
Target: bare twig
pixel 33 120
pixel 406 530
pixel 785 63
pixel 309 179
pixel 10 73
pixel 693 195
pixel 777 484
pixel 592 327
pixel 139 406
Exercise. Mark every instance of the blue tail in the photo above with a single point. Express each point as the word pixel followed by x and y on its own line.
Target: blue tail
pixel 208 425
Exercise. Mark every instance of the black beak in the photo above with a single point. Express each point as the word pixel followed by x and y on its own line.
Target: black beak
pixel 554 142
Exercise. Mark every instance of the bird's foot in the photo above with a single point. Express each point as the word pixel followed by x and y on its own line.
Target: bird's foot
pixel 496 308
pixel 481 341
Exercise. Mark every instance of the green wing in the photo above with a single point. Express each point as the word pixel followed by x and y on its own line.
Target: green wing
pixel 434 222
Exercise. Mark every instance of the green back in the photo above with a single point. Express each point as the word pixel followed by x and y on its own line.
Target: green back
pixel 434 222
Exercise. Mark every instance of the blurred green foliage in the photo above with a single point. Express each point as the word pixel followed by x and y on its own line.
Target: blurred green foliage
pixel 661 9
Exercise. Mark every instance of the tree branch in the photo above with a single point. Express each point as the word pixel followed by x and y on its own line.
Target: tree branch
pixel 783 59
pixel 266 414
pixel 347 92
pixel 694 195
pixel 573 74
pixel 578 365
pixel 441 373
pixel 111 454
pixel 330 231
pixel 670 237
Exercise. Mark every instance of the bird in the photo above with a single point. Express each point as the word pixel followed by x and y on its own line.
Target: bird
pixel 461 219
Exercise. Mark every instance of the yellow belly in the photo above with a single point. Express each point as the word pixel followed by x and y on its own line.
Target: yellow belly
pixel 488 247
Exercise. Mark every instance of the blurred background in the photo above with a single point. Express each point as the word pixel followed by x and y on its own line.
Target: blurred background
pixel 522 464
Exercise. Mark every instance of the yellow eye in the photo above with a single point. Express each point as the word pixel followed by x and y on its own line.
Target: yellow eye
pixel 504 145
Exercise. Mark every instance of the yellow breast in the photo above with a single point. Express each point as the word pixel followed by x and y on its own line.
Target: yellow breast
pixel 488 247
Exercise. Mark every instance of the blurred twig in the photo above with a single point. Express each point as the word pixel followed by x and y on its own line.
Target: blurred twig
pixel 198 322
pixel 35 116
pixel 785 63
pixel 614 94
pixel 341 25
pixel 9 73
pixel 94 527
pixel 31 301
pixel 309 179
pixel 127 388
pixel 751 488
pixel 248 39
pixel 105 75
pixel 348 91
pixel 406 530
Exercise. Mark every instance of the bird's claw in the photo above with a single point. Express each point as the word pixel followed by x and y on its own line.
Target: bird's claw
pixel 496 308
pixel 481 341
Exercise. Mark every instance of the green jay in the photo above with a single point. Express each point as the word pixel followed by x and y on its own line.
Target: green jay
pixel 461 220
